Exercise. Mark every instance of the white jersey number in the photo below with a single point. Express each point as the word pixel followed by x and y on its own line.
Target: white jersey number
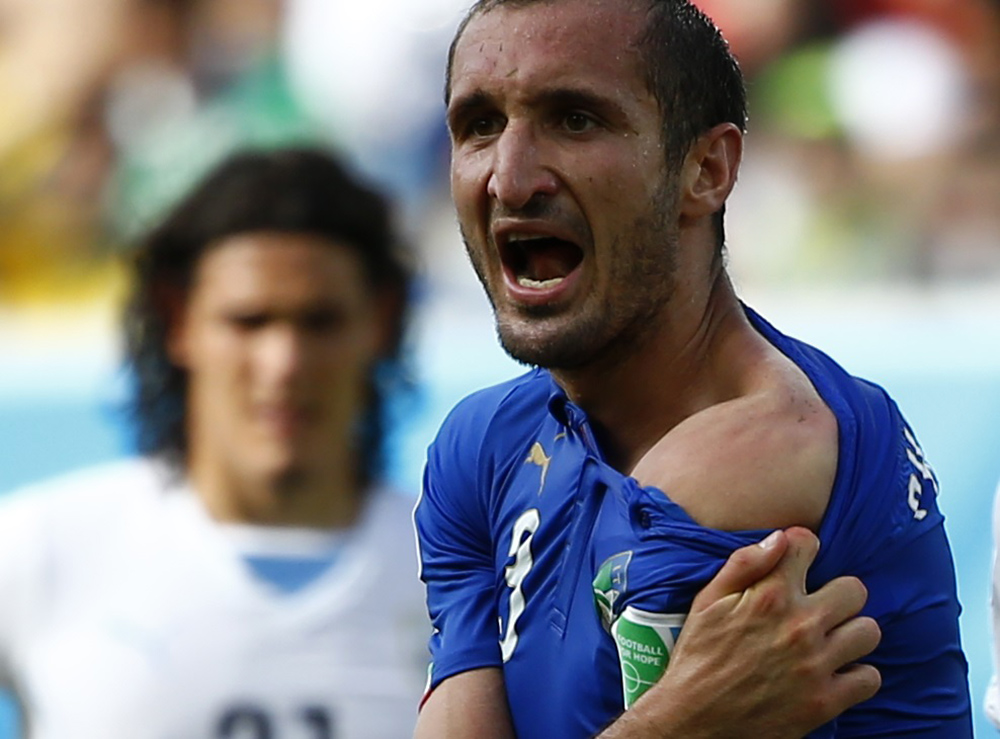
pixel 520 548
pixel 922 471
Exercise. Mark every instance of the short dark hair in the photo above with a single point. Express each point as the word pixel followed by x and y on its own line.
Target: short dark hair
pixel 285 190
pixel 689 69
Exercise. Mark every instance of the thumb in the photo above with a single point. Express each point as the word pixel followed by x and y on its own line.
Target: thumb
pixel 744 567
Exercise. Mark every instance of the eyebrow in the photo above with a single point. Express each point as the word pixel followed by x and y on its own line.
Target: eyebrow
pixel 462 107
pixel 554 97
pixel 575 97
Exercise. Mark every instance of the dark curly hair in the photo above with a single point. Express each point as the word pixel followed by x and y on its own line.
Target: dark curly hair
pixel 287 190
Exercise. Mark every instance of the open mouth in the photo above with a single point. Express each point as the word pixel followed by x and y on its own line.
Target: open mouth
pixel 540 262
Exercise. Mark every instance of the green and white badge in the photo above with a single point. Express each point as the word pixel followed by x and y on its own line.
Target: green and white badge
pixel 645 641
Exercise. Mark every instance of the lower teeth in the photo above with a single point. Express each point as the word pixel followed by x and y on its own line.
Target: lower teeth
pixel 538 284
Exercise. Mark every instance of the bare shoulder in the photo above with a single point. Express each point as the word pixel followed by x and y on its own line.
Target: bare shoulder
pixel 765 459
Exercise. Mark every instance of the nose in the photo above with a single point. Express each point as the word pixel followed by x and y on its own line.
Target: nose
pixel 519 173
pixel 281 354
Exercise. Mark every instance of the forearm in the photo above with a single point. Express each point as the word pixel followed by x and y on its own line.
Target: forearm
pixel 470 704
pixel 686 707
pixel 659 716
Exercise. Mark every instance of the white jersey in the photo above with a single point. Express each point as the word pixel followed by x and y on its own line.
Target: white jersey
pixel 127 613
pixel 992 703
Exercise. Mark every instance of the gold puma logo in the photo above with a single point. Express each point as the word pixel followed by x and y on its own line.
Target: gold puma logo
pixel 537 456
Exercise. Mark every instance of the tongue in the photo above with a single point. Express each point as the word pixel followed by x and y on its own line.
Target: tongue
pixel 551 260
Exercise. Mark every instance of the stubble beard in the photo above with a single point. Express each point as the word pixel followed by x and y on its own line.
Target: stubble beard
pixel 291 482
pixel 608 326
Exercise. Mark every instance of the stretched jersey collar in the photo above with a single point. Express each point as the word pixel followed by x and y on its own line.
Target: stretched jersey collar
pixel 559 405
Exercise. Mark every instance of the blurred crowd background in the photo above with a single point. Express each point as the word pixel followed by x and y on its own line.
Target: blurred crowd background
pixel 867 218
pixel 875 130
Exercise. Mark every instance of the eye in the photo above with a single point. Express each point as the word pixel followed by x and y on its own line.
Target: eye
pixel 485 126
pixel 577 122
pixel 322 321
pixel 247 321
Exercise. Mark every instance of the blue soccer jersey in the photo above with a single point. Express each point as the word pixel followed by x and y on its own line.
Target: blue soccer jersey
pixel 522 522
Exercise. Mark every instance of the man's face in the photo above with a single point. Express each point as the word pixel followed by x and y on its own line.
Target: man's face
pixel 559 178
pixel 278 334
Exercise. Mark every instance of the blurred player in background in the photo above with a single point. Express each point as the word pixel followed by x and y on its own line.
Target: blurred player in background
pixel 247 576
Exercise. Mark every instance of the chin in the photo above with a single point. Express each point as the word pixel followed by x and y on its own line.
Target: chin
pixel 552 348
pixel 291 479
pixel 277 467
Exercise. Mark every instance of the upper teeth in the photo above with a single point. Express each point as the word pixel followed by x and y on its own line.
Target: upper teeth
pixel 514 238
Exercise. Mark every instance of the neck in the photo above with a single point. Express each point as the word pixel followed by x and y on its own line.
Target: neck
pixel 691 359
pixel 326 498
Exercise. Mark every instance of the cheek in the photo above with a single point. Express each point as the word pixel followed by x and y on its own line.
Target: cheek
pixel 225 374
pixel 346 361
pixel 344 388
pixel 472 211
pixel 219 395
pixel 469 177
pixel 208 354
pixel 622 197
pixel 225 358
pixel 462 201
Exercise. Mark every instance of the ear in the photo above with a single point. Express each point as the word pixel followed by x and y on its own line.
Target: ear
pixel 709 171
pixel 389 308
pixel 171 304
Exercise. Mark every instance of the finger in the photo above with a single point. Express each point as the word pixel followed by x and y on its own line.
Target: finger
pixel 852 641
pixel 744 567
pixel 848 688
pixel 838 600
pixel 856 683
pixel 803 546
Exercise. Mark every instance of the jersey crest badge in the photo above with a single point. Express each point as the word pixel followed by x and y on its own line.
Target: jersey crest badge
pixel 610 584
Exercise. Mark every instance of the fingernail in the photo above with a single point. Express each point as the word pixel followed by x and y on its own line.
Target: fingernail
pixel 771 539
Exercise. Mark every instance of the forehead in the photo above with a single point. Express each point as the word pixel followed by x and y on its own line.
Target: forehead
pixel 555 42
pixel 278 267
